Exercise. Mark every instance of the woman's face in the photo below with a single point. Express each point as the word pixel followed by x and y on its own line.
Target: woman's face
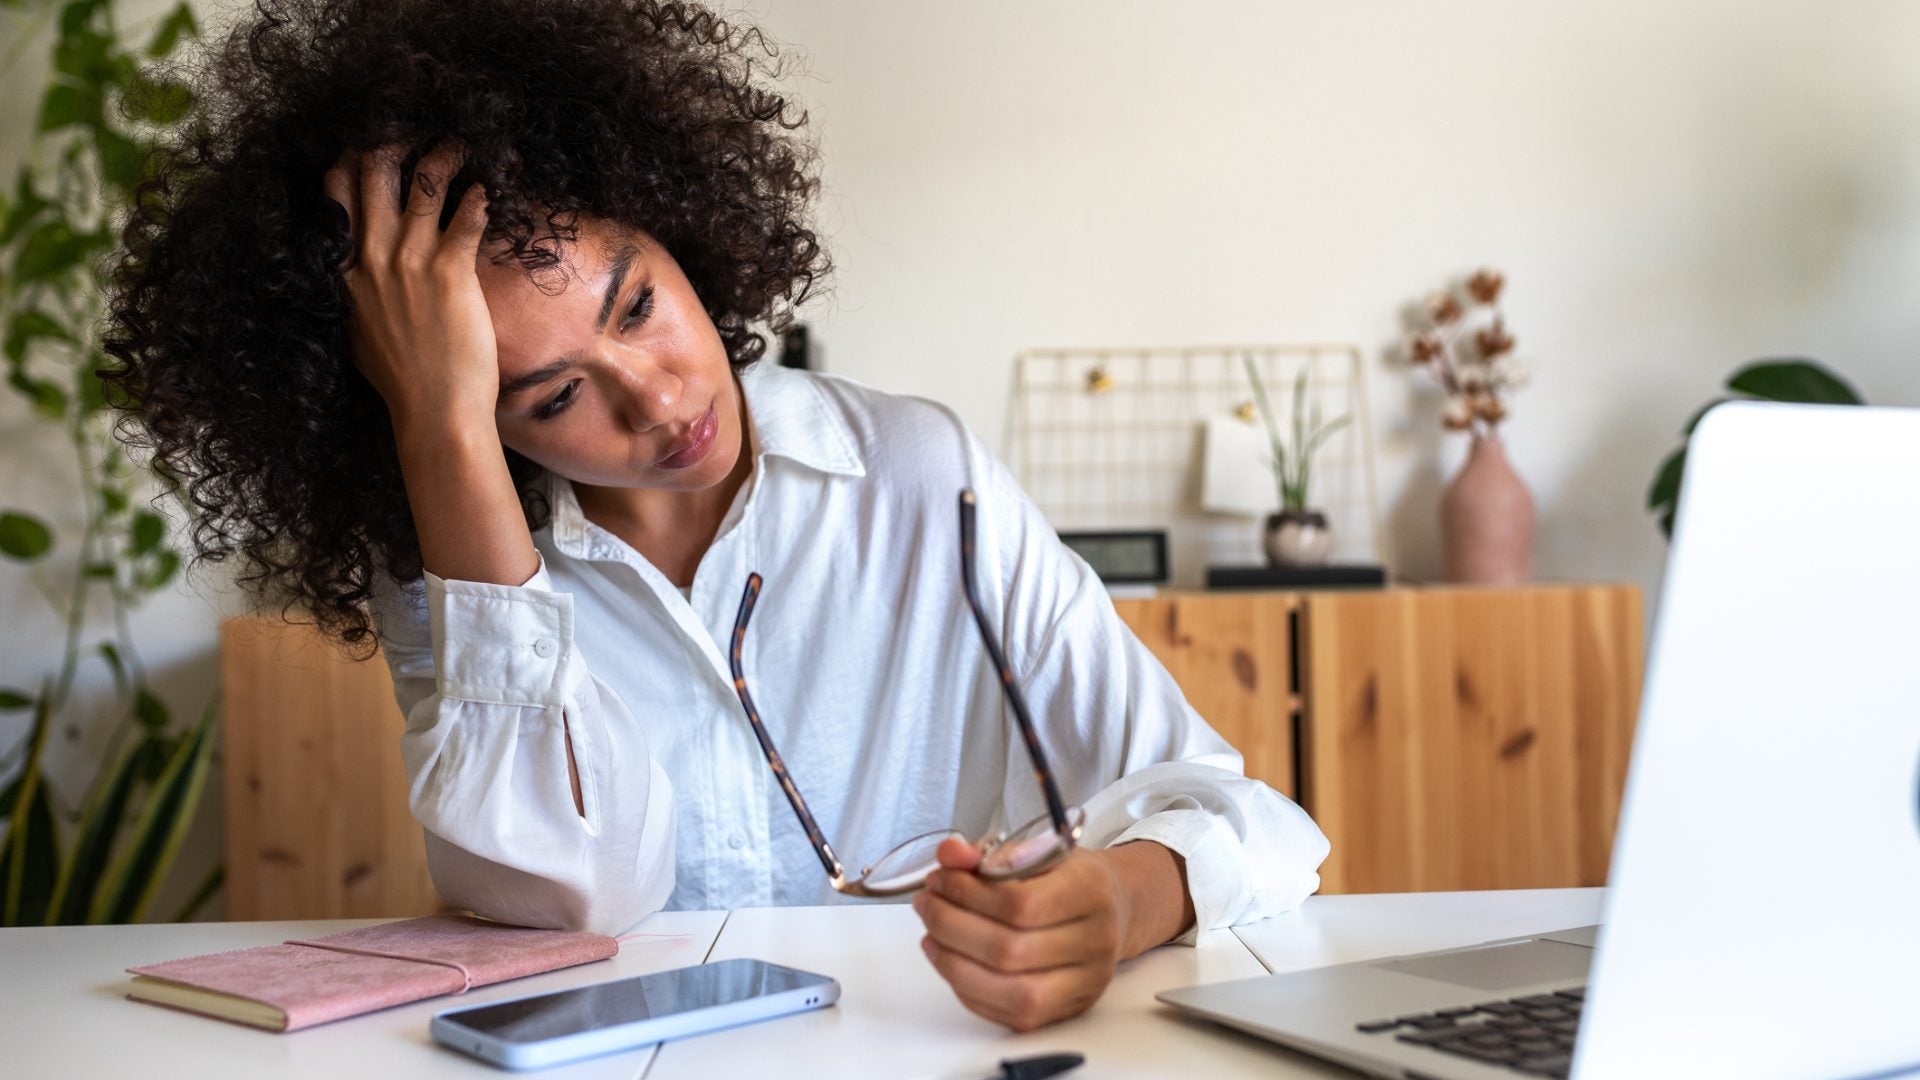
pixel 619 379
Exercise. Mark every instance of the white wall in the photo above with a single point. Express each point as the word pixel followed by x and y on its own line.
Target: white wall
pixel 1671 188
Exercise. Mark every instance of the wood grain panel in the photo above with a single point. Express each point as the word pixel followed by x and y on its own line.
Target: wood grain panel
pixel 1468 738
pixel 316 793
pixel 1231 655
pixel 1451 739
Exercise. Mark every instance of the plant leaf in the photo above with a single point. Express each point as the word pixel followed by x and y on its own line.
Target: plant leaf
pixel 93 392
pixel 37 864
pixel 1272 426
pixel 77 14
pixel 148 530
pixel 83 53
pixel 178 23
pixel 154 754
pixel 165 565
pixel 99 826
pixel 50 250
pixel 111 654
pixel 29 839
pixel 27 325
pixel 68 103
pixel 23 536
pixel 11 699
pixel 122 160
pixel 1665 492
pixel 48 400
pixel 139 869
pixel 1793 380
pixel 149 709
pixel 27 205
pixel 157 101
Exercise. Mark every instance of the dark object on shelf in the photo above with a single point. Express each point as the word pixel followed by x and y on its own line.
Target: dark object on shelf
pixel 794 348
pixel 1296 577
pixel 1123 558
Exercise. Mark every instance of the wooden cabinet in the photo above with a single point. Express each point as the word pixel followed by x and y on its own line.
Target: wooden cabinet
pixel 1443 738
pixel 317 824
pixel 1233 657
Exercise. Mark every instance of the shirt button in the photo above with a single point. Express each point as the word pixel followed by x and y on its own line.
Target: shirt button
pixel 543 648
pixel 736 841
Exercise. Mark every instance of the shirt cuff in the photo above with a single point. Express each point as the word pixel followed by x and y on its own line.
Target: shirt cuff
pixel 501 644
pixel 1215 864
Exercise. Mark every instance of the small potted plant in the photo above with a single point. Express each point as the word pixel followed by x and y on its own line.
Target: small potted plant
pixel 1486 514
pixel 1299 534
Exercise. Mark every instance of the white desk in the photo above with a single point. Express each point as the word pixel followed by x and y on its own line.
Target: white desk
pixel 62 1012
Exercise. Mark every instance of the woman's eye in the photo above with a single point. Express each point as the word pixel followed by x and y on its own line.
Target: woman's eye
pixel 559 403
pixel 642 307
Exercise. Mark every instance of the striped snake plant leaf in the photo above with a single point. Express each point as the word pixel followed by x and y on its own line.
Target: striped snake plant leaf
pixel 139 868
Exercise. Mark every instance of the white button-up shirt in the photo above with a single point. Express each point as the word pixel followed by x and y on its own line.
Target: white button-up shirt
pixel 866 668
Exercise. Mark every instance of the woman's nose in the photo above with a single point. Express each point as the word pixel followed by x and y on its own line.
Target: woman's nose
pixel 650 392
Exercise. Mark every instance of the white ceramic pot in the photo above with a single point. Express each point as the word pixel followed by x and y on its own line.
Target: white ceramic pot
pixel 1298 538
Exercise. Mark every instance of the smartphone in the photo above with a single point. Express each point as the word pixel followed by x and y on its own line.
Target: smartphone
pixel 567 1025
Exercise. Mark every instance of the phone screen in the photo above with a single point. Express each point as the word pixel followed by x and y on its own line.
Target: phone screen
pixel 623 1001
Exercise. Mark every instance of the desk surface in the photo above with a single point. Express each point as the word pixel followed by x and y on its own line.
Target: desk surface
pixel 63 1013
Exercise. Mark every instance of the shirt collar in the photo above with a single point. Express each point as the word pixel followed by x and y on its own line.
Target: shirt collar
pixel 791 418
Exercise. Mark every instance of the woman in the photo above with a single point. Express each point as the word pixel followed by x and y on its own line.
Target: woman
pixel 445 316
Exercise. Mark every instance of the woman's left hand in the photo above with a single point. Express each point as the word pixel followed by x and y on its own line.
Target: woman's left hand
pixel 1029 952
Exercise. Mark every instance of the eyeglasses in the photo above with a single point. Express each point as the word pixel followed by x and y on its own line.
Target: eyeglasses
pixel 1023 852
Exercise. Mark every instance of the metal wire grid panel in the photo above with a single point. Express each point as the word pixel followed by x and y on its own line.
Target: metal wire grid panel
pixel 1113 438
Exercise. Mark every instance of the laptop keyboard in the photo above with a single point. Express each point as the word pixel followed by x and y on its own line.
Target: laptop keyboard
pixel 1532 1034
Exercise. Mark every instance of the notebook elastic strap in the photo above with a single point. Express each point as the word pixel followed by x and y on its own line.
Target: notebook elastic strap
pixel 457 966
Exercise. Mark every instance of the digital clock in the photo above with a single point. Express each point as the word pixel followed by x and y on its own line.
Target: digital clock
pixel 1123 558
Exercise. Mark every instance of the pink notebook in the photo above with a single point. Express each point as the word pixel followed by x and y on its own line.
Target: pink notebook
pixel 310 981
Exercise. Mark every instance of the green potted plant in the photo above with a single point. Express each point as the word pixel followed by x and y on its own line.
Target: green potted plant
pixel 106 105
pixel 1299 533
pixel 1782 379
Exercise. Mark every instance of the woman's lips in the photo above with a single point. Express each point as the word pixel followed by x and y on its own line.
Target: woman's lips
pixel 693 446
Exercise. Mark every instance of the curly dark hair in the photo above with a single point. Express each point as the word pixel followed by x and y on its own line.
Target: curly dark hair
pixel 227 320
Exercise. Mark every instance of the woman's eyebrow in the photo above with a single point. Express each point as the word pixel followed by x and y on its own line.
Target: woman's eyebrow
pixel 531 379
pixel 616 277
pixel 617 271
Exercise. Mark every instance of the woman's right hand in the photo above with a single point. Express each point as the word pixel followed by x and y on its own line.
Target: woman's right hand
pixel 420 333
pixel 422 336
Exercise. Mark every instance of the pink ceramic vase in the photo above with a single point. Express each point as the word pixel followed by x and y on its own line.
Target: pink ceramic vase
pixel 1486 519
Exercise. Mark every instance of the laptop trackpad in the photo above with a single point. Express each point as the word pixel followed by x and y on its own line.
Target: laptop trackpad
pixel 1500 967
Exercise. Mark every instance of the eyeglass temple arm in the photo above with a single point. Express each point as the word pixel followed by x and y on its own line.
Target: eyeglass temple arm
pixel 818 839
pixel 1056 809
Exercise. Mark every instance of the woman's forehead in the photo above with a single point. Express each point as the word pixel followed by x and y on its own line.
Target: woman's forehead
pixel 579 276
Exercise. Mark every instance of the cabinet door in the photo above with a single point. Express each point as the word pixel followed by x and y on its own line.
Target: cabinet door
pixel 316 794
pixel 1468 738
pixel 1232 656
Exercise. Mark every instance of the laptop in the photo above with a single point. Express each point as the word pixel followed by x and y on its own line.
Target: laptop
pixel 1763 914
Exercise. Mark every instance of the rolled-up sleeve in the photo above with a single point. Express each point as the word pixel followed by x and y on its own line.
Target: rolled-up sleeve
pixel 1128 746
pixel 493 688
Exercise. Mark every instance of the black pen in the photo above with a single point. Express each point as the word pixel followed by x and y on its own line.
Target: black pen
pixel 1037 1068
pixel 1028 1068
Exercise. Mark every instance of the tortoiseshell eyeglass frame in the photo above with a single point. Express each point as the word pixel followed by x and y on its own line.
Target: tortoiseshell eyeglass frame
pixel 1065 822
